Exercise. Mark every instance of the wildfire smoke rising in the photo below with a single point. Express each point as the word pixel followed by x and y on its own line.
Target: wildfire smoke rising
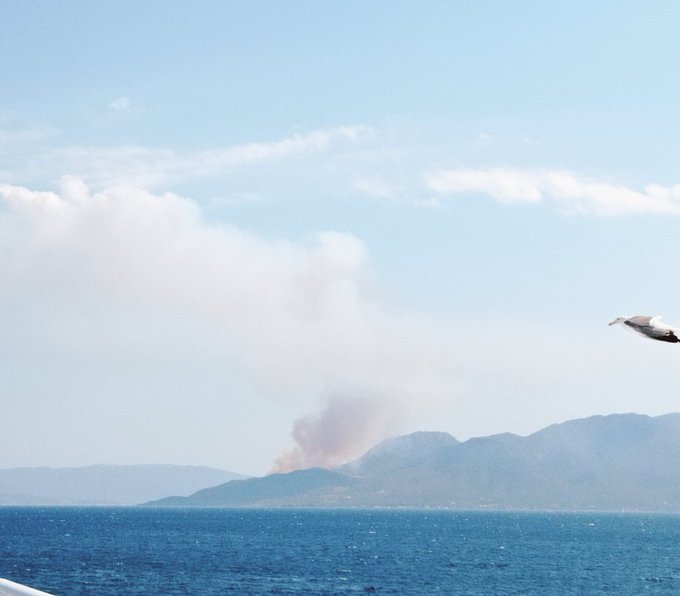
pixel 299 317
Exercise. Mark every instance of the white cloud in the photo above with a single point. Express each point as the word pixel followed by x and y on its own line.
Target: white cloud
pixel 109 281
pixel 120 104
pixel 347 159
pixel 147 167
pixel 302 318
pixel 572 192
pixel 290 147
pixel 150 167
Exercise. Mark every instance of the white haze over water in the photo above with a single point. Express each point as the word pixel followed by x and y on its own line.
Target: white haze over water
pixel 299 317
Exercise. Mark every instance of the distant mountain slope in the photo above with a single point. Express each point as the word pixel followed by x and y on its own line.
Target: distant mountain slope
pixel 104 485
pixel 399 452
pixel 299 488
pixel 617 462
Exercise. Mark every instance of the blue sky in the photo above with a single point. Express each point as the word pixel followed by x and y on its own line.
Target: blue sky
pixel 257 234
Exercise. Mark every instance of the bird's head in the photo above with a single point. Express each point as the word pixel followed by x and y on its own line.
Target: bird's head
pixel 618 320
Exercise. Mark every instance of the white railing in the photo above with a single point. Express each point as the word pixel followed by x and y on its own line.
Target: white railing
pixel 8 588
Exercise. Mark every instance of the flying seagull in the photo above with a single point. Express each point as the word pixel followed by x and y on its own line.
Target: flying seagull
pixel 650 327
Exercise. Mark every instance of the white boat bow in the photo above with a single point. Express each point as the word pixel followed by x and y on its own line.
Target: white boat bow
pixel 8 588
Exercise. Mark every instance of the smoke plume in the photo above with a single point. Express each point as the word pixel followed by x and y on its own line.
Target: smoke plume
pixel 305 319
pixel 343 429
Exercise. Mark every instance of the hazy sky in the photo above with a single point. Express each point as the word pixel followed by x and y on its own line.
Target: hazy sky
pixel 260 235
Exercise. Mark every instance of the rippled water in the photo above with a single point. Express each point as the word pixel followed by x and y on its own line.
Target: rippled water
pixel 155 551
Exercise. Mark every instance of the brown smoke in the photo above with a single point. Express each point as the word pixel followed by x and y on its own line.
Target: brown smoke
pixel 344 429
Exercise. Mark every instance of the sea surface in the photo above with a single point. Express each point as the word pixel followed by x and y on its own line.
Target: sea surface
pixel 212 551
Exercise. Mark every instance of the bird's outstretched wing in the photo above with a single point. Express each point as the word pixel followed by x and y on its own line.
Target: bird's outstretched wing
pixel 641 321
pixel 653 328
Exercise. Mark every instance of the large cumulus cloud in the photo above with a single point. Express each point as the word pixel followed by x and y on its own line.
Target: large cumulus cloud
pixel 299 316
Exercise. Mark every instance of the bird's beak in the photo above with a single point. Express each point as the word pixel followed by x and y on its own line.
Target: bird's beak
pixel 614 321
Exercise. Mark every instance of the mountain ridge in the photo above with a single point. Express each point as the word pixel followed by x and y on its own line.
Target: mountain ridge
pixel 615 462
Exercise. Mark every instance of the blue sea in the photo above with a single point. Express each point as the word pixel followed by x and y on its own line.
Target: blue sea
pixel 212 551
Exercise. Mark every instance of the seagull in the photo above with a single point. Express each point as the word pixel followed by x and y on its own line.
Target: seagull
pixel 650 327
